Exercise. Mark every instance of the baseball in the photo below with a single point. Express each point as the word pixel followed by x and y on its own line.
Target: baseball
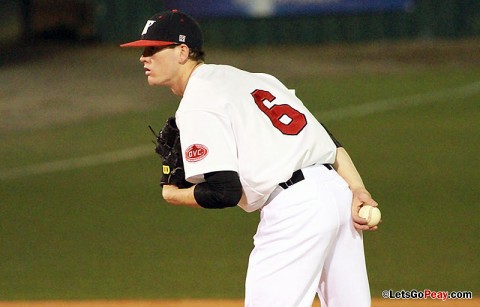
pixel 371 214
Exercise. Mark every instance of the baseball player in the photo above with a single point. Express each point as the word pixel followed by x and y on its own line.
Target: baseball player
pixel 248 141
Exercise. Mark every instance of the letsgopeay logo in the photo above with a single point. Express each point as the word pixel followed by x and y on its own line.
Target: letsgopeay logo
pixel 196 152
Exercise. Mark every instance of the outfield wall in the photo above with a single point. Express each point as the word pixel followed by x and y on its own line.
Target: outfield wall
pixel 120 20
pixel 423 19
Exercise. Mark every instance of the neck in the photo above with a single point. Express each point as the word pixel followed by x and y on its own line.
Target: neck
pixel 187 70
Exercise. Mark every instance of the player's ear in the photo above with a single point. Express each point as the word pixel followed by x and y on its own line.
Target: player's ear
pixel 183 54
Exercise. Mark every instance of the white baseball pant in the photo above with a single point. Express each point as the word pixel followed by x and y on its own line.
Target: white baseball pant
pixel 305 244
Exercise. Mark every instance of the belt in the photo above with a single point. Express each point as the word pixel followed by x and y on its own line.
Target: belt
pixel 297 177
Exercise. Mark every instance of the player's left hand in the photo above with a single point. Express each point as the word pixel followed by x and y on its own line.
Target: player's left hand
pixel 168 147
pixel 361 197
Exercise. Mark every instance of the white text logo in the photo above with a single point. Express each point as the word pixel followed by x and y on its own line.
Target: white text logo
pixel 148 25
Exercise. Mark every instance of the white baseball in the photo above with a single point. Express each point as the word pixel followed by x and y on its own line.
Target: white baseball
pixel 371 214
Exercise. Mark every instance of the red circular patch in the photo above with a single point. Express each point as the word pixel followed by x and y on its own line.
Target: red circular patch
pixel 196 152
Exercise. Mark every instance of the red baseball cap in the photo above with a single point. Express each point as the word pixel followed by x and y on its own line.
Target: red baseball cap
pixel 169 28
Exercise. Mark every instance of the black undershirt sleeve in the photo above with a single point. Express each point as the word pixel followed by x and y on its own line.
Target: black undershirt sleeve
pixel 337 143
pixel 220 190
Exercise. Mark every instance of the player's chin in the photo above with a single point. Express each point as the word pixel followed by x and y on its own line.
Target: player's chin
pixel 151 81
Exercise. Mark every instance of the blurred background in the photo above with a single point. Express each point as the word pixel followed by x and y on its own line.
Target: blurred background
pixel 81 214
pixel 249 22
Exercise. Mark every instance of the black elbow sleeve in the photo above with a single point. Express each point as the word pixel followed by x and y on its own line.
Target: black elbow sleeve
pixel 220 190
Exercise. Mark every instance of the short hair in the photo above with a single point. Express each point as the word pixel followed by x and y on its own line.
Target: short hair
pixel 197 55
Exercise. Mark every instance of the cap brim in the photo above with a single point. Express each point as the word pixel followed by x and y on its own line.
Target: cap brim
pixel 147 43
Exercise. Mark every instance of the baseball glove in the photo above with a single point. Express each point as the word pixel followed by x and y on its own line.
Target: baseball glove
pixel 167 145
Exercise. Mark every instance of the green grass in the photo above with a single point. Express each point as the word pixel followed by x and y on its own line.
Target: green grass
pixel 104 232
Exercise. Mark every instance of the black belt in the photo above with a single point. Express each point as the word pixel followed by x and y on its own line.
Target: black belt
pixel 297 177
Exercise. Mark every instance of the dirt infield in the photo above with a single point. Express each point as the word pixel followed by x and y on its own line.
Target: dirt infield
pixel 229 303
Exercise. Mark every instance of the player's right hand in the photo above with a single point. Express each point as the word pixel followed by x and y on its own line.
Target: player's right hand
pixel 361 197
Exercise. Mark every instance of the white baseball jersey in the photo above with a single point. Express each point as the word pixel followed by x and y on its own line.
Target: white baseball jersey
pixel 233 120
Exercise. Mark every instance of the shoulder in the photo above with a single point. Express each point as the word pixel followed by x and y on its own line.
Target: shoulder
pixel 228 77
pixel 211 72
pixel 211 80
pixel 214 85
pixel 205 90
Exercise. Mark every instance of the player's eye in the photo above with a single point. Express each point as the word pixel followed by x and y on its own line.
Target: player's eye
pixel 149 51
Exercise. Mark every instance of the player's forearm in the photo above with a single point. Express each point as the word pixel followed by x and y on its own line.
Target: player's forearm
pixel 347 170
pixel 220 190
pixel 175 196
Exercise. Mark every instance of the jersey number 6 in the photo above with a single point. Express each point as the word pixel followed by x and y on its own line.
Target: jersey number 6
pixel 294 121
